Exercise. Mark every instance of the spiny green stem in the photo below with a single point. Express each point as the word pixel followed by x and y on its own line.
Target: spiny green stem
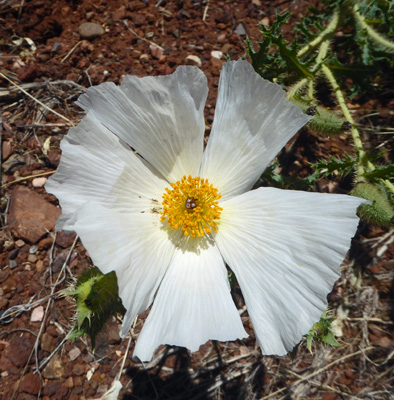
pixel 375 36
pixel 354 131
pixel 298 86
pixel 327 33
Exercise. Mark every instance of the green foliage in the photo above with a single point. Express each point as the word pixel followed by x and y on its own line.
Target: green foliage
pixel 380 211
pixel 324 121
pixel 96 297
pixel 275 65
pixel 325 168
pixel 321 332
pixel 344 39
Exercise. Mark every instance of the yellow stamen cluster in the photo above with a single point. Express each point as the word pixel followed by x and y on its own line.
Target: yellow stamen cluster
pixel 192 205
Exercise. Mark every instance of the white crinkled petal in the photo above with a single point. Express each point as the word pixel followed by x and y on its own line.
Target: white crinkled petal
pixel 286 248
pixel 97 166
pixel 135 246
pixel 161 117
pixel 193 304
pixel 253 121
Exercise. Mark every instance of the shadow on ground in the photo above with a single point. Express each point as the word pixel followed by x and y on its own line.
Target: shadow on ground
pixel 183 384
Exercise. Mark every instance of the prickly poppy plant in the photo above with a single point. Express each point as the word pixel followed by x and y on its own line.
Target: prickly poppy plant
pixel 167 216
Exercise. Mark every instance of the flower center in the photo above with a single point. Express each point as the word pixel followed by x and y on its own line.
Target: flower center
pixel 192 205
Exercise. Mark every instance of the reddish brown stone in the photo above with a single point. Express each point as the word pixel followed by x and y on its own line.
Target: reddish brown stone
pixel 19 349
pixel 30 383
pixel 30 215
pixel 65 239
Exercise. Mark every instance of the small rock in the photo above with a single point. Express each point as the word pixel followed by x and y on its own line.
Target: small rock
pixel 256 3
pixel 10 284
pixel 37 314
pixel 240 30
pixel 221 38
pixel 54 369
pixel 157 52
pixel 193 60
pixel 32 258
pixel 50 389
pixel 216 54
pixel 13 254
pixel 54 157
pixel 47 342
pixel 65 239
pixel 20 243
pixel 30 215
pixel 19 349
pixel 74 353
pixel 89 15
pixel 265 21
pixel 90 30
pixel 39 182
pixel 59 260
pixel 13 264
pixel 33 249
pixel 40 266
pixel 79 369
pixel 30 383
pixel 144 58
pixel 69 383
pixel 45 243
pixel 6 151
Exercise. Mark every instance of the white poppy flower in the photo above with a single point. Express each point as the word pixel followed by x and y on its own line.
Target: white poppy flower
pixel 169 216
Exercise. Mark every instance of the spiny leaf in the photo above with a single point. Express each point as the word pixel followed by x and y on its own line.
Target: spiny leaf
pixel 381 172
pixel 342 167
pixel 380 211
pixel 97 299
pixel 321 332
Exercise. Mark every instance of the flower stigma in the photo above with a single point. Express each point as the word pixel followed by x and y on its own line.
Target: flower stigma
pixel 192 205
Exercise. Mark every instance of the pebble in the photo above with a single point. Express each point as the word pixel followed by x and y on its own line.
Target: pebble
pixel 65 239
pixel 13 254
pixel 32 258
pixel 90 30
pixel 31 217
pixel 13 264
pixel 6 151
pixel 47 342
pixel 156 51
pixel 221 38
pixel 74 353
pixel 37 314
pixel 33 249
pixel 69 383
pixel 240 30
pixel 20 243
pixel 54 369
pixel 19 349
pixel 40 266
pixel 144 58
pixel 39 182
pixel 216 54
pixel 193 60
pixel 30 383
